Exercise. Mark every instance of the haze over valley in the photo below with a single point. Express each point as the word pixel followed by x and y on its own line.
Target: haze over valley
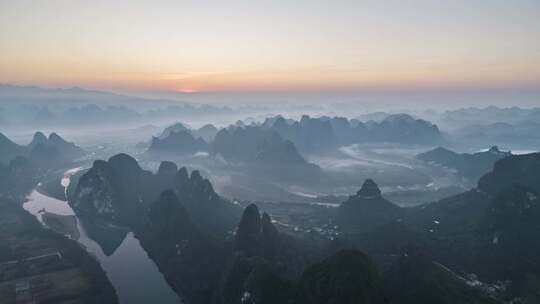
pixel 274 153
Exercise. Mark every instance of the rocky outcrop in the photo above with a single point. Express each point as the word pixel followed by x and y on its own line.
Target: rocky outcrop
pixel 366 210
pixel 119 190
pixel 256 236
pixel 96 193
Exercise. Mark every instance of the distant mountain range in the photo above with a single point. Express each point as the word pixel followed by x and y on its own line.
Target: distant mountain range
pixel 278 140
pixel 177 143
pixel 521 135
pixel 489 115
pixel 179 140
pixel 38 107
pixel 313 135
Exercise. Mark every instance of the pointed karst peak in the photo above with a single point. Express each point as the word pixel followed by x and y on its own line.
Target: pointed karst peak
pixel 39 137
pixel 251 221
pixel 369 189
pixel 167 169
pixel 280 120
pixel 182 176
pixel 196 175
pixel 305 118
pixel 494 149
pixel 56 139
pixel 248 232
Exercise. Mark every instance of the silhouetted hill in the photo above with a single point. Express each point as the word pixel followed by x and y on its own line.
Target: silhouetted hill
pixel 119 190
pixel 43 151
pixel 177 143
pixel 490 231
pixel 256 236
pixel 315 135
pixel 243 144
pixel 347 277
pixel 279 153
pixel 265 263
pixel 207 132
pixel 53 150
pixel 9 150
pixel 403 128
pixel 366 210
pixel 177 127
pixel 516 169
pixel 471 166
pixel 17 177
pixel 255 145
pixel 309 134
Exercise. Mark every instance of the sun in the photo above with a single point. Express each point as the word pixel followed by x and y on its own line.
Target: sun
pixel 186 90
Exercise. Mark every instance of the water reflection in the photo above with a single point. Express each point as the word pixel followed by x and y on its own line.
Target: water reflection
pixel 133 274
pixel 108 236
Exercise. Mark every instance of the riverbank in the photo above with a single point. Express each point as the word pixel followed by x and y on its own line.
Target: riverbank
pixel 134 276
pixel 41 265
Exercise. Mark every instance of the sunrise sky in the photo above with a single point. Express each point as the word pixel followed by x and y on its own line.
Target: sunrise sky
pixel 213 46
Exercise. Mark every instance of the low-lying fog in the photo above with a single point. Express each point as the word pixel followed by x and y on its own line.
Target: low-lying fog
pixel 104 129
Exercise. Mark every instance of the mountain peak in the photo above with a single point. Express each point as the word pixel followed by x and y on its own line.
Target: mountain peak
pixel 248 231
pixel 124 163
pixel 494 149
pixel 369 189
pixel 38 138
pixel 167 168
pixel 251 220
pixel 55 138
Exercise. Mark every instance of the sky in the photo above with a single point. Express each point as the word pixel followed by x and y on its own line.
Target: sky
pixel 282 46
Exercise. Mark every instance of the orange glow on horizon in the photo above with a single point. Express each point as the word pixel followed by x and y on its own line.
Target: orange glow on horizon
pixel 281 46
pixel 186 90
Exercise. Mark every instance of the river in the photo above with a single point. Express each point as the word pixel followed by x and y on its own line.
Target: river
pixel 133 274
